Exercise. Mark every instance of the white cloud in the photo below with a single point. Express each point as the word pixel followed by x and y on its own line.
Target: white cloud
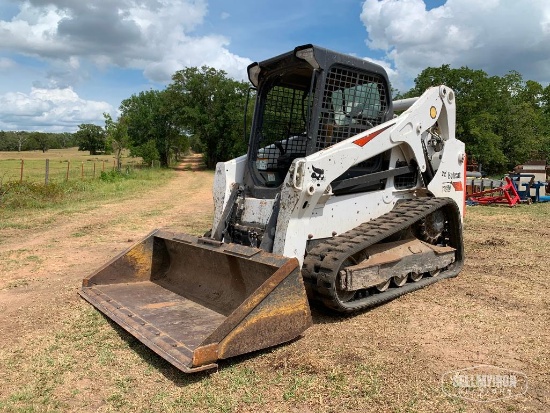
pixel 49 109
pixel 33 30
pixel 386 64
pixel 69 38
pixel 156 36
pixel 494 35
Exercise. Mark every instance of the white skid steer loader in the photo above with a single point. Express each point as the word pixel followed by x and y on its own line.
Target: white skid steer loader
pixel 338 202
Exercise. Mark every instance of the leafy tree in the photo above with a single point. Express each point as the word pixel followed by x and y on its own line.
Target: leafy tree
pixel 117 136
pixel 91 138
pixel 209 105
pixel 28 141
pixel 500 119
pixel 63 140
pixel 521 118
pixel 7 142
pixel 16 141
pixel 532 93
pixel 484 143
pixel 147 151
pixel 521 131
pixel 150 118
pixel 41 140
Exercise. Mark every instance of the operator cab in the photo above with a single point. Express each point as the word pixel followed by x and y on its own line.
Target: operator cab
pixel 306 101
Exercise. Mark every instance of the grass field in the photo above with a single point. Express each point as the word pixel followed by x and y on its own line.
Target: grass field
pixel 59 354
pixel 63 163
pixel 63 193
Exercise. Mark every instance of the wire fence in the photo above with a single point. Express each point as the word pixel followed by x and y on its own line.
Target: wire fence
pixel 47 171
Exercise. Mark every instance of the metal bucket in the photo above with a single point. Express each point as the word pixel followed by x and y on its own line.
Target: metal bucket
pixel 195 300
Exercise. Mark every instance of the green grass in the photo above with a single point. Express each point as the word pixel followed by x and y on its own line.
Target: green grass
pixel 64 164
pixel 521 210
pixel 91 179
pixel 15 196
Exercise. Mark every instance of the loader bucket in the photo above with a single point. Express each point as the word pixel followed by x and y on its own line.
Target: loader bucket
pixel 195 300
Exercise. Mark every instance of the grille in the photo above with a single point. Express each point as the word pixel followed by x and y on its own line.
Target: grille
pixel 352 103
pixel 405 181
pixel 283 123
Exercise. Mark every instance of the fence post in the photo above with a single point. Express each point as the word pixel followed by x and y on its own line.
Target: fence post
pixel 114 165
pixel 47 171
pixel 68 168
pixel 82 171
pixel 21 177
pixel 103 166
pixel 94 169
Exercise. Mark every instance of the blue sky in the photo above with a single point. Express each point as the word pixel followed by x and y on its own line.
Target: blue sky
pixel 65 62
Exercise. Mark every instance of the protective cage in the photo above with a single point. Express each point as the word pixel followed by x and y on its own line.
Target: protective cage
pixel 353 101
pixel 194 300
pixel 308 100
pixel 283 123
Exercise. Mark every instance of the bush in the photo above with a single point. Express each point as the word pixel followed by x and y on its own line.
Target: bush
pixel 148 152
pixel 29 194
pixel 111 176
pixel 110 185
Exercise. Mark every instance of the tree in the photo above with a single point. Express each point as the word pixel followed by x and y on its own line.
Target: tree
pixel 65 140
pixel 521 131
pixel 42 140
pixel 150 118
pixel 7 141
pixel 532 93
pixel 147 151
pixel 90 138
pixel 21 139
pixel 180 146
pixel 29 141
pixel 16 141
pixel 500 119
pixel 484 143
pixel 210 106
pixel 521 123
pixel 116 136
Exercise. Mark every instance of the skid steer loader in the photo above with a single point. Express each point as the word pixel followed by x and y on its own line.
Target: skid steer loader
pixel 338 201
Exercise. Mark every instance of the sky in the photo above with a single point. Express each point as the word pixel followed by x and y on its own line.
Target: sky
pixel 66 62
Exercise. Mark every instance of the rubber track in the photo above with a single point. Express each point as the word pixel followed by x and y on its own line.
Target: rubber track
pixel 323 261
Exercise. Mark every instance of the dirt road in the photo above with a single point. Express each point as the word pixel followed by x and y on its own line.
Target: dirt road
pixel 41 265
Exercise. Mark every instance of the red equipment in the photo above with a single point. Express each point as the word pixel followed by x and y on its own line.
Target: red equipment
pixel 505 194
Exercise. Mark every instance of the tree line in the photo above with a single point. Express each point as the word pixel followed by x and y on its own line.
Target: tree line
pixel 201 108
pixel 503 120
pixel 32 141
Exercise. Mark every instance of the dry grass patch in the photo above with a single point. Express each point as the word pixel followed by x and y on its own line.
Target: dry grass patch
pixel 59 354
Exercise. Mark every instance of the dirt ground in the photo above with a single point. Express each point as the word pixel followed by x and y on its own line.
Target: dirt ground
pixel 58 248
pixel 59 354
